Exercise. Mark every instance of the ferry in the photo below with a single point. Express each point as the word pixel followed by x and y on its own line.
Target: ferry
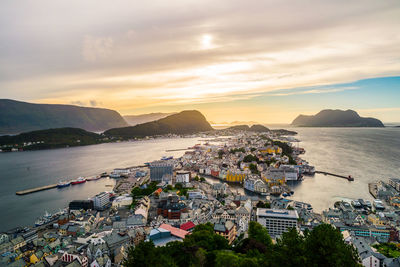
pixel 62 184
pixel 80 180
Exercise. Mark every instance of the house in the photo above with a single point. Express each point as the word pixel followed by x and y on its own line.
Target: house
pixel 219 189
pixel 368 257
pixel 227 229
pixel 188 226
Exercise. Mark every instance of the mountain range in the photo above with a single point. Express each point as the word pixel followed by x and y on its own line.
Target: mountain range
pixel 336 118
pixel 17 117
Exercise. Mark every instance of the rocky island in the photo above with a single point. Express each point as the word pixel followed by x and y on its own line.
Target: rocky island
pixel 336 118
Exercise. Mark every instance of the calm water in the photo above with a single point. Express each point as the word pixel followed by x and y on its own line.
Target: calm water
pixel 368 154
pixel 23 170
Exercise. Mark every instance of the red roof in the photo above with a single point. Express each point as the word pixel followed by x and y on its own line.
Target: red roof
pixel 174 231
pixel 187 226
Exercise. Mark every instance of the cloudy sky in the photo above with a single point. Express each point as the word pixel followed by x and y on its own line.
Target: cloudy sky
pixel 264 61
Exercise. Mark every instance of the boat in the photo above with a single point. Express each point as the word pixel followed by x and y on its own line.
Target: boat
pixel 80 180
pixel 62 184
pixel 356 204
pixel 39 222
pixel 379 204
pixel 167 158
pixel 94 178
pixel 368 204
pixel 284 194
pixel 104 174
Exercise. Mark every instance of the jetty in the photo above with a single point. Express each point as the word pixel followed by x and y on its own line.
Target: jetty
pixel 178 149
pixel 373 189
pixel 37 189
pixel 348 178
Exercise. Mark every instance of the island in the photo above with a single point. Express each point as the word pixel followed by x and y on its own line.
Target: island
pixel 254 128
pixel 336 118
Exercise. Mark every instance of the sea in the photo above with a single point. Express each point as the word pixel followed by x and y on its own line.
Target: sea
pixel 368 154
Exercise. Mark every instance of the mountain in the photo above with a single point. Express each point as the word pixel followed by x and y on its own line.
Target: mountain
pixel 143 118
pixel 185 122
pixel 50 138
pixel 259 128
pixel 254 128
pixel 17 117
pixel 336 118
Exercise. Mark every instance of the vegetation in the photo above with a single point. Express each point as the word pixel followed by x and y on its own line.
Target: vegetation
pixel 390 250
pixel 265 205
pixel 185 122
pixel 52 138
pixel 18 117
pixel 220 153
pixel 138 192
pixel 250 158
pixel 323 246
pixel 259 128
pixel 234 150
pixel 253 168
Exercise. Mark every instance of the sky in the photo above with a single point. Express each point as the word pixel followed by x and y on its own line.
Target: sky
pixel 264 61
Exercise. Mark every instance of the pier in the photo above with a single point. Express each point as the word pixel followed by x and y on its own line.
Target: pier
pixel 178 149
pixel 37 189
pixel 348 178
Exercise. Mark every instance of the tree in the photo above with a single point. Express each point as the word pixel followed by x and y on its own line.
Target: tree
pixel 253 168
pixel 227 258
pixel 259 233
pixel 325 246
pixel 291 243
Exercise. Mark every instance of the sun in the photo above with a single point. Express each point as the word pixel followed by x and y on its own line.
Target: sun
pixel 207 41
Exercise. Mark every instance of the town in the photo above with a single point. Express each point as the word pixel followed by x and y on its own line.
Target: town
pixel 229 181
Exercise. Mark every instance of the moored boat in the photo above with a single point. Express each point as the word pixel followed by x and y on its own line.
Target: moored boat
pixel 62 184
pixel 80 180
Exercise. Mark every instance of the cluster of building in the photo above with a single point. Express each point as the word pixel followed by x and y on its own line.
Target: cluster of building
pixel 98 231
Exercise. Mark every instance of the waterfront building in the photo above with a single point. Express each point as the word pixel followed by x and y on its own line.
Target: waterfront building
pixel 277 221
pixel 395 183
pixel 101 201
pixel 81 204
pixel 160 168
pixel 235 176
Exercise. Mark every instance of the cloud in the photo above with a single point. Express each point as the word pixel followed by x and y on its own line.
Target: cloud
pixel 176 52
pixel 316 91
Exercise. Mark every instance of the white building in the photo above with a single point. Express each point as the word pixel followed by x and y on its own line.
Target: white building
pixel 183 177
pixel 122 201
pixel 101 200
pixel 277 221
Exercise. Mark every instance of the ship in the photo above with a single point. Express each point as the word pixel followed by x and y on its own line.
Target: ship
pixel 80 180
pixel 62 184
pixel 167 158
pixel 94 178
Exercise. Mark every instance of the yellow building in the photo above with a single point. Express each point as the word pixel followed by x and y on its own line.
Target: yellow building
pixel 272 150
pixel 235 177
pixel 36 257
pixel 375 220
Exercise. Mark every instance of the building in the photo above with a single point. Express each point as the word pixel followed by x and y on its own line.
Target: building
pixel 277 221
pixel 226 229
pixel 183 177
pixel 395 183
pixel 81 204
pixel 159 169
pixel 101 201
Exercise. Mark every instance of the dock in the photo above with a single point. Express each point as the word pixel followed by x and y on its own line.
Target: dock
pixel 178 149
pixel 373 189
pixel 37 189
pixel 348 178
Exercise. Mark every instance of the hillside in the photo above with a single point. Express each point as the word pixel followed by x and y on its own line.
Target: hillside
pixel 17 117
pixel 254 128
pixel 185 122
pixel 143 118
pixel 336 118
pixel 51 138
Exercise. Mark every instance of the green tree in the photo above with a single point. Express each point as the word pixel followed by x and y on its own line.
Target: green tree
pixel 227 258
pixel 325 247
pixel 259 233
pixel 291 243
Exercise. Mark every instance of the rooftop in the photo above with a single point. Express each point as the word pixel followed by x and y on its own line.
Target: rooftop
pixel 278 213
